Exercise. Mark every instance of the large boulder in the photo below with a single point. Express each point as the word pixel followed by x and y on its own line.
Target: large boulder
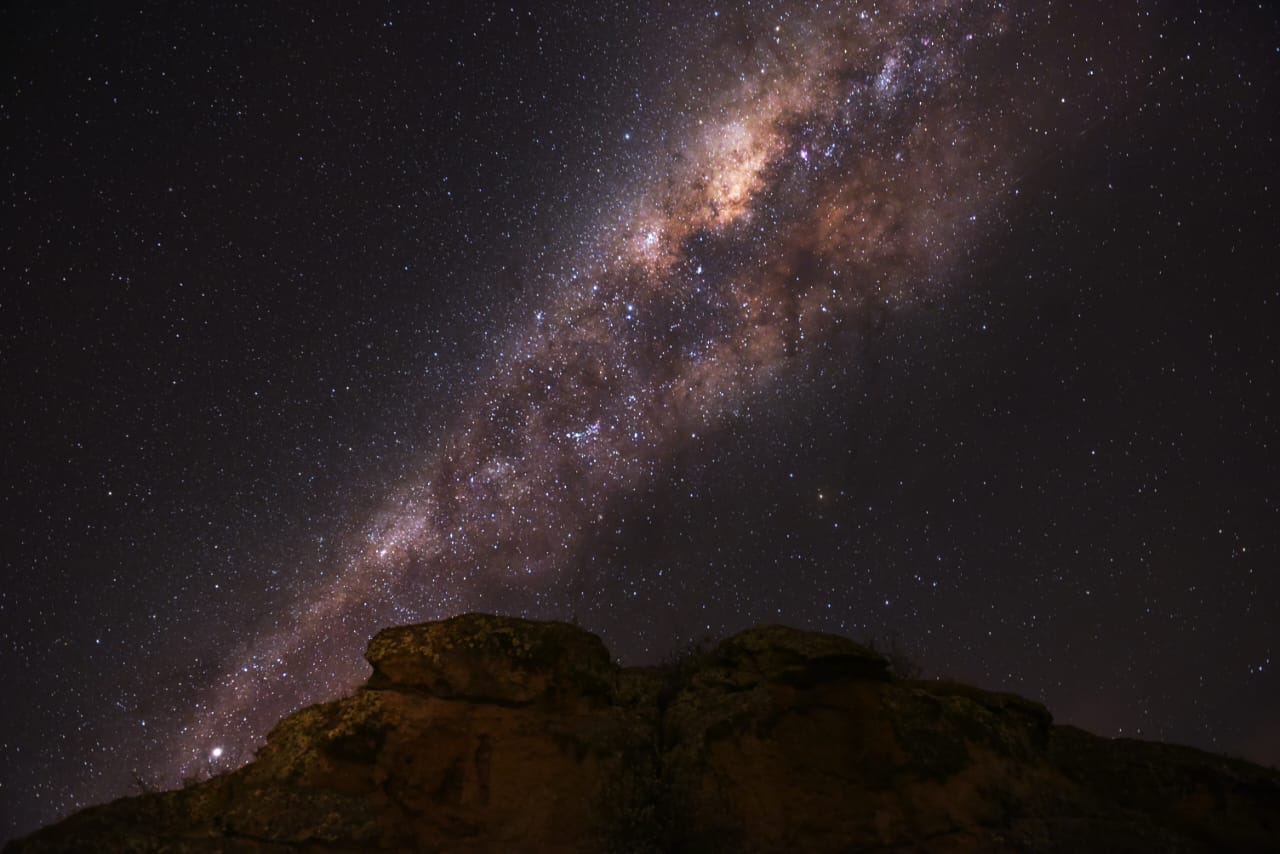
pixel 492 659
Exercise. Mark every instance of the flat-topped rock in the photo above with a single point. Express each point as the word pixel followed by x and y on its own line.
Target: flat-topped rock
pixel 784 654
pixel 487 658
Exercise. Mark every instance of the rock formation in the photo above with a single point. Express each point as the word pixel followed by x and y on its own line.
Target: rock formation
pixel 484 733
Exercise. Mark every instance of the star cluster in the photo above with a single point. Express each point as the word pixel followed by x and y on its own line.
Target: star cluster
pixel 893 318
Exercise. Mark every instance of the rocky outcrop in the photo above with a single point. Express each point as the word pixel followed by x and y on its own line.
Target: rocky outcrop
pixel 484 733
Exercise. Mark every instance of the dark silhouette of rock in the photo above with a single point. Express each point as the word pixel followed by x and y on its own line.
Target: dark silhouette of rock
pixel 484 733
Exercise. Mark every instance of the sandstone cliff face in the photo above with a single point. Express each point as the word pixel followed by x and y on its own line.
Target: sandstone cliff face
pixel 485 733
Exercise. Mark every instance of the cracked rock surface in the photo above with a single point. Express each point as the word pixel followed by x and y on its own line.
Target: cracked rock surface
pixel 485 733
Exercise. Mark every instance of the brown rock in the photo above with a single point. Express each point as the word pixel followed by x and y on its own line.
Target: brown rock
pixel 488 659
pixel 485 733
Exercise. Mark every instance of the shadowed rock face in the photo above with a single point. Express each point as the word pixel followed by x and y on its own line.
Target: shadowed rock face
pixel 484 733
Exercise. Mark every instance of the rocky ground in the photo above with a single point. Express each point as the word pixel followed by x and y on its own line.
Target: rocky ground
pixel 484 733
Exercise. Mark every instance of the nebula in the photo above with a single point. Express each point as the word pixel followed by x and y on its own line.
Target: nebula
pixel 852 157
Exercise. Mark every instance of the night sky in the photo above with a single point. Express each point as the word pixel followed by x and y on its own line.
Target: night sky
pixel 949 323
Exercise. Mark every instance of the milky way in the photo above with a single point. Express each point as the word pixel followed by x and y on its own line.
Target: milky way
pixel 815 169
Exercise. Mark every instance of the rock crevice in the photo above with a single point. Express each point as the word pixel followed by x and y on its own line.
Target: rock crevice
pixel 485 733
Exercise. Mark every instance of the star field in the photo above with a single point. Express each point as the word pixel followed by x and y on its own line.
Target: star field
pixel 946 322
